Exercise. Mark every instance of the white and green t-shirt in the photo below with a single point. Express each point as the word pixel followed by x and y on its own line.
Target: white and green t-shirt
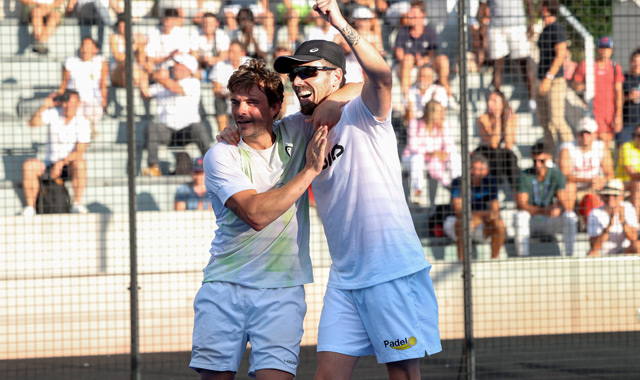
pixel 278 255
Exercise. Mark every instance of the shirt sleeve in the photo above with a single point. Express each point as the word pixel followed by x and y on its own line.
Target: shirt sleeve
pixel 224 176
pixel 630 216
pixel 619 75
pixel 84 130
pixel 594 224
pixel 182 193
pixel 579 75
pixel 455 188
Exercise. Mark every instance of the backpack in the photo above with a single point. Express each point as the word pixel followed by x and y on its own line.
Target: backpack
pixel 435 224
pixel 53 197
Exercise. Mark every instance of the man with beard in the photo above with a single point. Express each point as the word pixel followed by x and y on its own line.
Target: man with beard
pixel 543 205
pixel 375 250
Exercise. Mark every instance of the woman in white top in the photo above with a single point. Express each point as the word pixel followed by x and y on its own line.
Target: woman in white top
pixel 118 50
pixel 87 74
pixel 430 146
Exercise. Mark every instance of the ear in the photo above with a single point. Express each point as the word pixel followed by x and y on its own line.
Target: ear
pixel 337 75
pixel 276 108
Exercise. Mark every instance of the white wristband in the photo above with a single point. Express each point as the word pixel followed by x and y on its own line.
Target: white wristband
pixel 550 76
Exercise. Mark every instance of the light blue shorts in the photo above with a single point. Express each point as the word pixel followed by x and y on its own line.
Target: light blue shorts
pixel 395 320
pixel 227 316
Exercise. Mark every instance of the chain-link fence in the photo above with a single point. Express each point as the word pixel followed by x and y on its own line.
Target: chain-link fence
pixel 517 127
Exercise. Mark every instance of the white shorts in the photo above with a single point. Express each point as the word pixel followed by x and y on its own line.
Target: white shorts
pixel 227 316
pixel 395 320
pixel 503 40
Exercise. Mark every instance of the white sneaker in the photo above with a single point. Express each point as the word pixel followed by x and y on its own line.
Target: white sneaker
pixel 78 208
pixel 28 211
pixel 532 105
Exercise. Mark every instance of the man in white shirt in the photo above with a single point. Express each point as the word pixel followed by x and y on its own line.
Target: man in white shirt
pixel 178 123
pixel 69 135
pixel 375 250
pixel 613 228
pixel 421 92
pixel 167 40
pixel 210 43
pixel 219 75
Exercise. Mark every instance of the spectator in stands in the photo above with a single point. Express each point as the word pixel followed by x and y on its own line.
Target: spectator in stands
pixel 253 37
pixel 69 134
pixel 290 102
pixel 628 168
pixel 91 12
pixel 363 22
pixel 193 195
pixel 485 221
pixel 416 44
pixel 210 45
pixel 220 75
pixel 178 121
pixel 87 74
pixel 507 30
pixel 117 44
pixel 44 15
pixel 190 9
pixel 631 108
pixel 552 89
pixel 608 98
pixel 319 29
pixel 587 165
pixel 168 40
pixel 613 228
pixel 431 146
pixel 542 204
pixel 497 128
pixel 421 92
pixel 290 35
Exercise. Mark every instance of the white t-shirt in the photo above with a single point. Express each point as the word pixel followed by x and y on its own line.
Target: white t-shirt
pixel 506 12
pixel 419 99
pixel 599 219
pixel 85 77
pixel 587 164
pixel 361 202
pixel 222 71
pixel 161 45
pixel 64 137
pixel 178 111
pixel 259 36
pixel 205 47
pixel 314 32
pixel 278 255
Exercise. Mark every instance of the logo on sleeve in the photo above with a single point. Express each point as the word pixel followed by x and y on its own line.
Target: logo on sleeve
pixel 288 149
pixel 401 344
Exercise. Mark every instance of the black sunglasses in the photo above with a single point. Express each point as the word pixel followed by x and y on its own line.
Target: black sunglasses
pixel 541 160
pixel 307 71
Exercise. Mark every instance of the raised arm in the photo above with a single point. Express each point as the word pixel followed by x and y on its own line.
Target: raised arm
pixel 376 91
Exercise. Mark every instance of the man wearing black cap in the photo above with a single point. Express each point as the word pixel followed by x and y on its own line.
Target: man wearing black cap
pixel 373 244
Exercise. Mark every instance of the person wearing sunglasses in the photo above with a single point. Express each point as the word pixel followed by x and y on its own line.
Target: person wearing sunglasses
pixel 613 228
pixel 375 250
pixel 542 203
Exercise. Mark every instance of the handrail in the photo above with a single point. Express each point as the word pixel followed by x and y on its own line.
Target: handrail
pixel 589 55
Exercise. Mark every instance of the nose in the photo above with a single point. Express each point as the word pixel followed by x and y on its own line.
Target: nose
pixel 297 81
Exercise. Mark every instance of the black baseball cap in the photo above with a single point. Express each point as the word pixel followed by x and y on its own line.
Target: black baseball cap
pixel 311 51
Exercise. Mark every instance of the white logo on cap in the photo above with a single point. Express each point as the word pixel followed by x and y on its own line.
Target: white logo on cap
pixel 313 50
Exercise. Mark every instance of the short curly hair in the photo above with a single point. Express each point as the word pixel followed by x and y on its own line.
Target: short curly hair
pixel 255 72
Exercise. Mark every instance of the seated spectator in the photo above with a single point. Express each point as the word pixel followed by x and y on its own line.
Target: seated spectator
pixel 290 35
pixel 117 43
pixel 44 15
pixel 628 168
pixel 193 195
pixel 497 128
pixel 91 12
pixel 506 27
pixel 552 89
pixel 87 74
pixel 320 29
pixel 178 123
pixel 613 228
pixel 608 98
pixel 587 165
pixel 542 204
pixel 211 44
pixel 253 37
pixel 631 108
pixel 69 134
pixel 190 9
pixel 366 25
pixel 416 45
pixel 421 92
pixel 485 221
pixel 430 146
pixel 220 75
pixel 168 40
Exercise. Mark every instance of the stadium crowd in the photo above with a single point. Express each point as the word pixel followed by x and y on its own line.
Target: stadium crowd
pixel 573 174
